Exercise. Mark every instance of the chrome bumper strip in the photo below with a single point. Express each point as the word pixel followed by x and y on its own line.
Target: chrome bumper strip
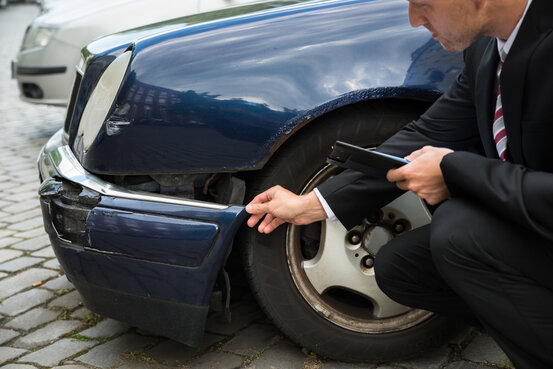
pixel 58 159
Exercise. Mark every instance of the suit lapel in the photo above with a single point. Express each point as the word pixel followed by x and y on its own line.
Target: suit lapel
pixel 532 31
pixel 485 96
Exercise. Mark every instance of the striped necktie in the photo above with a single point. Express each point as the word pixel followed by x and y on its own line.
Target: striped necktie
pixel 499 133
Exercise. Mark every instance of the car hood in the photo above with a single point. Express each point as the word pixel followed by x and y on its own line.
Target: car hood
pixel 223 95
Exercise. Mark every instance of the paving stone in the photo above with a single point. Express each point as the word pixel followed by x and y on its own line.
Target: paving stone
pixel 19 217
pixel 7 185
pixel 29 174
pixel 339 365
pixel 26 279
pixel 19 264
pixel 5 232
pixel 484 349
pixel 175 353
pixel 48 333
pixel 219 360
pixel 465 365
pixel 243 313
pixel 106 328
pixel 21 302
pixel 81 313
pixel 141 364
pixel 27 187
pixel 10 353
pixel 46 252
pixel 21 206
pixel 69 300
pixel 7 254
pixel 52 264
pixel 109 353
pixel 6 335
pixel 25 196
pixel 33 244
pixel 431 360
pixel 27 224
pixel 32 318
pixel 2 275
pixel 32 233
pixel 285 353
pixel 18 366
pixel 253 339
pixel 71 366
pixel 60 283
pixel 55 353
pixel 7 241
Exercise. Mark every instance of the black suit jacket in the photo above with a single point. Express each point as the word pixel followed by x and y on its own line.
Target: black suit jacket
pixel 520 189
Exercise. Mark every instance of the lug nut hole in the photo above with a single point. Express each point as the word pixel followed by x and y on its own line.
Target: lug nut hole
pixel 367 262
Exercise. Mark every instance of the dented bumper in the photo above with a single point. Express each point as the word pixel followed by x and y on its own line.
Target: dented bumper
pixel 146 259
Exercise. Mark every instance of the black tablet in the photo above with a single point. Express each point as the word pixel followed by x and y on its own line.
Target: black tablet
pixel 363 160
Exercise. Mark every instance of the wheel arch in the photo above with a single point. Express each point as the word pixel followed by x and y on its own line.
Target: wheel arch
pixel 350 105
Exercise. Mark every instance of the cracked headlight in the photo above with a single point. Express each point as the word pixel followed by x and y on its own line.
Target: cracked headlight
pixel 37 37
pixel 100 102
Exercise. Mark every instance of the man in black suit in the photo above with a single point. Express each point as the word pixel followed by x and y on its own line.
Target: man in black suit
pixel 487 256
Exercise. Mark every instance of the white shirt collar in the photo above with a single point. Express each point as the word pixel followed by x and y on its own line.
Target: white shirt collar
pixel 504 46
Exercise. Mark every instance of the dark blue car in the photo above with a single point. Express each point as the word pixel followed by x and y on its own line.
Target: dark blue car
pixel 173 127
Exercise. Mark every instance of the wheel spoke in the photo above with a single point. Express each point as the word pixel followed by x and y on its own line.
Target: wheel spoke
pixel 334 267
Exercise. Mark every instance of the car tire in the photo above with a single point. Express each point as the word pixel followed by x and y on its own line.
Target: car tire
pixel 334 323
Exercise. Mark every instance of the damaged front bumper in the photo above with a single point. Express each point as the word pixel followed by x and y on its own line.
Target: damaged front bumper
pixel 146 259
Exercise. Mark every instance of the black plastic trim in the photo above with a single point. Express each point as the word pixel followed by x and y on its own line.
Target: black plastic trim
pixel 34 71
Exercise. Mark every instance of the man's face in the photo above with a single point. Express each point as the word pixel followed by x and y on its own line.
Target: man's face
pixel 454 23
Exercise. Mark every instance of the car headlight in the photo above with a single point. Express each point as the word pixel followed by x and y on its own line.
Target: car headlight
pixel 100 102
pixel 37 37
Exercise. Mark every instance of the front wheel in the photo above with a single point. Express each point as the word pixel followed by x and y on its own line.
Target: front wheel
pixel 317 282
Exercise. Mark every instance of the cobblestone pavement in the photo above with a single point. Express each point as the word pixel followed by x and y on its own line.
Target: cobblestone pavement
pixel 43 323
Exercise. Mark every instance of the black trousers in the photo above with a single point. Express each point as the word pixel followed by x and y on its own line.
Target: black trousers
pixel 479 267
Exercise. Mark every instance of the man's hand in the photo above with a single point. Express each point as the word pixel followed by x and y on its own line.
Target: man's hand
pixel 423 175
pixel 279 206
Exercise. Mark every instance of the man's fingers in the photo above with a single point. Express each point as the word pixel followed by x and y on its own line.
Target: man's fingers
pixel 260 208
pixel 265 222
pixel 273 225
pixel 254 219
pixel 402 185
pixel 394 175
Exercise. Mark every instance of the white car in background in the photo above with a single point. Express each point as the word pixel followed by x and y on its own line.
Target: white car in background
pixel 45 64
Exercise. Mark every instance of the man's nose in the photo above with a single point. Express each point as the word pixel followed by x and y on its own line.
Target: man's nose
pixel 416 19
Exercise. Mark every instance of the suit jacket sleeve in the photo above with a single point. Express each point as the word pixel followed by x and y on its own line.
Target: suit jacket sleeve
pixel 449 122
pixel 512 191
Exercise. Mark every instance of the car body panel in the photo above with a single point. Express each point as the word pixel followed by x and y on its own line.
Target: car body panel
pixel 351 51
pixel 151 250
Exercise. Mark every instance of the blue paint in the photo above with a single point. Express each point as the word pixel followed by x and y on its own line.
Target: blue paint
pixel 159 238
pixel 221 96
pixel 180 267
